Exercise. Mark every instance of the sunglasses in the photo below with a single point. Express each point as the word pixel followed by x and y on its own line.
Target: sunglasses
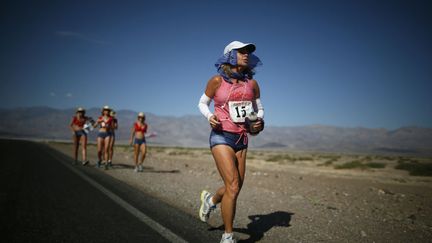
pixel 243 51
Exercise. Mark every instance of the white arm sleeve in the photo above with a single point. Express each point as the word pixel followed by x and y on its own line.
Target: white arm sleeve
pixel 203 106
pixel 260 107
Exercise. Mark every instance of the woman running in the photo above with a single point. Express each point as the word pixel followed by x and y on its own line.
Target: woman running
pixel 236 97
pixel 104 136
pixel 78 135
pixel 138 140
pixel 112 133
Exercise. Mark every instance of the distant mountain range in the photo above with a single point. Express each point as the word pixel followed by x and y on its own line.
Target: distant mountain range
pixel 193 131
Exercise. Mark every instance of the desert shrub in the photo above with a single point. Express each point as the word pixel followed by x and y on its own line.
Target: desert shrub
pixel 304 158
pixel 259 153
pixel 159 150
pixel 280 157
pixel 287 157
pixel 415 168
pixel 328 162
pixel 329 156
pixel 383 157
pixel 275 158
pixel 376 165
pixel 406 160
pixel 355 164
pixel 184 152
pixel 206 152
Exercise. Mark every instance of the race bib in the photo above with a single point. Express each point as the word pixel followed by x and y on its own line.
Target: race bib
pixel 239 110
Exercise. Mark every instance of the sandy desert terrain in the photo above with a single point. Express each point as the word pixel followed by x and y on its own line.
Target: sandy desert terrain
pixel 295 196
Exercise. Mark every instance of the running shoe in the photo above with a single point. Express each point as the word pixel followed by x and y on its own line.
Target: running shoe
pixel 110 164
pixel 106 166
pixel 205 209
pixel 140 168
pixel 136 169
pixel 228 238
pixel 84 163
pixel 98 164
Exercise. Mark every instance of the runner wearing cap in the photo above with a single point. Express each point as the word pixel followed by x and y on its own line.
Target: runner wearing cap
pixel 78 135
pixel 112 133
pixel 138 140
pixel 104 137
pixel 236 98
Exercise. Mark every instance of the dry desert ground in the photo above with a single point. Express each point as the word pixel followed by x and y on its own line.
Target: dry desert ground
pixel 294 196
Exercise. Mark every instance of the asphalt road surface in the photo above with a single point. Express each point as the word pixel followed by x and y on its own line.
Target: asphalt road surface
pixel 43 198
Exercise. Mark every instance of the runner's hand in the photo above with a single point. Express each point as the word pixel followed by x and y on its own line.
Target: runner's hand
pixel 214 122
pixel 259 125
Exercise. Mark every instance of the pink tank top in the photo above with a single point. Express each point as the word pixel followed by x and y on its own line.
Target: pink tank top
pixel 242 91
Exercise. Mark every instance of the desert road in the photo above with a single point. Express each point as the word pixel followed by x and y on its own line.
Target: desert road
pixel 44 198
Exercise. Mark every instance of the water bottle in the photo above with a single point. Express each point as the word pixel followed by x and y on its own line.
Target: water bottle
pixel 250 121
pixel 92 123
pixel 86 128
pixel 89 125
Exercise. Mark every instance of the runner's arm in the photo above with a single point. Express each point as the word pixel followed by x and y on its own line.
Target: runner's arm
pixel 260 107
pixel 205 100
pixel 203 106
pixel 132 134
pixel 258 102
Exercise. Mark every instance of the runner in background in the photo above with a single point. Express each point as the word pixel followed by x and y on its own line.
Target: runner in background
pixel 104 122
pixel 78 135
pixel 138 140
pixel 113 128
pixel 237 111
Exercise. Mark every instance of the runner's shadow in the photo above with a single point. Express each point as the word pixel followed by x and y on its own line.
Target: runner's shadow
pixel 161 171
pixel 147 169
pixel 119 165
pixel 260 224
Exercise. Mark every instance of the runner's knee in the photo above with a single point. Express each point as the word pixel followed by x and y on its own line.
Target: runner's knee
pixel 232 189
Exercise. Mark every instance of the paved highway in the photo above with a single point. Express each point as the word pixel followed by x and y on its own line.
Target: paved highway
pixel 43 198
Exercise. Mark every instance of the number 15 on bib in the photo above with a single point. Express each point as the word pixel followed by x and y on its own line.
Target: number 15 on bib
pixel 239 110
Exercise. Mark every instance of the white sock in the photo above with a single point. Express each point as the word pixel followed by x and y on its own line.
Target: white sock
pixel 210 201
pixel 228 235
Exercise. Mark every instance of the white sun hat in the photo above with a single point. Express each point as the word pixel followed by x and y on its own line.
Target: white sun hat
pixel 141 114
pixel 80 109
pixel 238 45
pixel 106 108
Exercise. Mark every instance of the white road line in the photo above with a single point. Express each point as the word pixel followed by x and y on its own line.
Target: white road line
pixel 166 233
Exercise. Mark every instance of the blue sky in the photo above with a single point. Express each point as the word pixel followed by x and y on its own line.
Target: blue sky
pixel 342 63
